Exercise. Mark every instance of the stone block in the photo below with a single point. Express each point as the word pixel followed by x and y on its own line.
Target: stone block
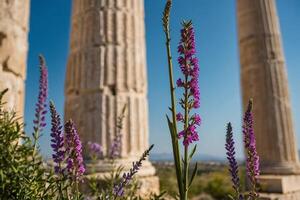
pixel 280 183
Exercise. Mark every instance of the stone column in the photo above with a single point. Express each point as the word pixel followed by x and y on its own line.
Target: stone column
pixel 14 17
pixel 107 69
pixel 264 78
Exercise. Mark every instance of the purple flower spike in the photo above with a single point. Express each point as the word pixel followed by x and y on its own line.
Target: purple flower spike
pixel 190 69
pixel 127 177
pixel 252 160
pixel 233 166
pixel 57 139
pixel 73 152
pixel 116 145
pixel 41 105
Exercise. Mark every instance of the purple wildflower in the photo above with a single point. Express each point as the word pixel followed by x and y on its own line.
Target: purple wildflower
pixel 191 137
pixel 116 146
pixel 57 141
pixel 189 67
pixel 252 160
pixel 197 119
pixel 233 166
pixel 179 83
pixel 73 151
pixel 41 105
pixel 95 149
pixel 127 177
pixel 179 117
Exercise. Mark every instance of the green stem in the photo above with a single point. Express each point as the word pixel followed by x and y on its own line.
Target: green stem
pixel 175 146
pixel 35 138
pixel 186 150
pixel 76 190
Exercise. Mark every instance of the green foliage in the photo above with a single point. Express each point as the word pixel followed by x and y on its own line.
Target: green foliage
pixel 218 186
pixel 212 181
pixel 21 175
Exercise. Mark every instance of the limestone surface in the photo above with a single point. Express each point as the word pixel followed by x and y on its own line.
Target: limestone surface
pixel 106 70
pixel 14 16
pixel 264 78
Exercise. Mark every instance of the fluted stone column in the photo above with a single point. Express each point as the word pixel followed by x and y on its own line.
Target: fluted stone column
pixel 106 70
pixel 264 78
pixel 14 17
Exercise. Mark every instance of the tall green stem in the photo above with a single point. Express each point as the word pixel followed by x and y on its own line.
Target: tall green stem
pixel 35 138
pixel 186 124
pixel 173 108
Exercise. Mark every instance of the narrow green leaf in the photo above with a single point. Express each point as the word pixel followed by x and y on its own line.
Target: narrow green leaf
pixel 193 151
pixel 2 93
pixel 171 127
pixel 193 174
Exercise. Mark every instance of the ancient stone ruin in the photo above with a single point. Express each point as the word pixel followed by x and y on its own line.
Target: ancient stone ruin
pixel 107 70
pixel 264 78
pixel 14 17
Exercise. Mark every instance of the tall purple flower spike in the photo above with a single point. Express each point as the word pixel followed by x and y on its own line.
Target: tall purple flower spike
pixel 73 147
pixel 41 106
pixel 190 69
pixel 127 177
pixel 233 166
pixel 57 139
pixel 252 160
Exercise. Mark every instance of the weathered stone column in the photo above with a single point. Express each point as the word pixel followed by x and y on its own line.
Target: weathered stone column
pixel 264 78
pixel 106 70
pixel 14 17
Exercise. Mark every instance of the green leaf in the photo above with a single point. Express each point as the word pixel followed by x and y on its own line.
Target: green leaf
pixel 193 151
pixel 2 93
pixel 193 174
pixel 171 127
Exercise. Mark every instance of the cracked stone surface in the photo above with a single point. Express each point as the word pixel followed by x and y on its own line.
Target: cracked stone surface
pixel 106 69
pixel 264 78
pixel 14 18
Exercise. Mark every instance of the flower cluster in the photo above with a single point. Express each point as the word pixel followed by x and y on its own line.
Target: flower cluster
pixel 190 69
pixel 57 141
pixel 252 160
pixel 41 105
pixel 96 150
pixel 233 166
pixel 73 151
pixel 67 147
pixel 127 177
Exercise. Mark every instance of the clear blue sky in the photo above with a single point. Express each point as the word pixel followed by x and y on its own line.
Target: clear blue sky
pixel 216 37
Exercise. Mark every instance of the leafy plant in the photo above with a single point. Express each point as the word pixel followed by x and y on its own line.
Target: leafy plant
pixel 189 102
pixel 22 173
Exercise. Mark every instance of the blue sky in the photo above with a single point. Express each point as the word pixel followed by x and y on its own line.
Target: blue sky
pixel 217 49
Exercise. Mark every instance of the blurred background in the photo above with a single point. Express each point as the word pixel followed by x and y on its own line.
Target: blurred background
pixel 215 23
pixel 217 50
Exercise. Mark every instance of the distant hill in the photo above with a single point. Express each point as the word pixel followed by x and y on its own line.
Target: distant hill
pixel 197 157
